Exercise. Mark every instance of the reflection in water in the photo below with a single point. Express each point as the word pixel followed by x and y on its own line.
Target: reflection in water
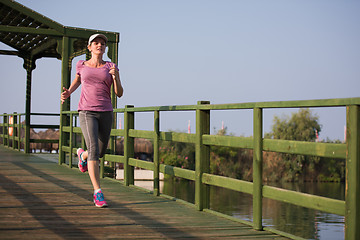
pixel 299 221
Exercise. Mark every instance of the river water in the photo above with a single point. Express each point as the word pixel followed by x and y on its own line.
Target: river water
pixel 299 221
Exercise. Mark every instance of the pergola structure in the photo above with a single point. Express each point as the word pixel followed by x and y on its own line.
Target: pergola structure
pixel 34 36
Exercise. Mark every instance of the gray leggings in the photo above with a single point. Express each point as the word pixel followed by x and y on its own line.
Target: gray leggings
pixel 96 128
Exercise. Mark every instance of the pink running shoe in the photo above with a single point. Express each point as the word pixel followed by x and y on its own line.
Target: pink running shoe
pixel 82 163
pixel 99 200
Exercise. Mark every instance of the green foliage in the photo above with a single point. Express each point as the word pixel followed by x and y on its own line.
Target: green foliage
pixel 230 162
pixel 301 126
pixel 177 154
pixel 237 163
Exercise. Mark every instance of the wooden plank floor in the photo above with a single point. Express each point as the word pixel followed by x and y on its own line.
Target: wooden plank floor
pixel 42 200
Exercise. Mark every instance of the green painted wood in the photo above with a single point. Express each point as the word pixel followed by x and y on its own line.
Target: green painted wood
pixel 29 65
pixel 65 82
pixel 339 102
pixel 38 17
pixel 204 139
pixel 74 129
pixel 141 164
pixel 352 190
pixel 44 140
pixel 44 126
pixel 50 114
pixel 113 55
pixel 129 122
pixel 178 137
pixel 257 169
pixel 162 108
pixel 141 134
pixel 77 130
pixel 114 158
pixel 228 141
pixel 5 130
pixel 229 183
pixel 329 150
pixel 65 149
pixel 202 158
pixel 117 132
pixel 71 144
pixel 156 155
pixel 305 200
pixel 177 172
pixel 14 145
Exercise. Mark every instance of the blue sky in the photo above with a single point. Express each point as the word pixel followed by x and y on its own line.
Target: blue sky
pixel 180 52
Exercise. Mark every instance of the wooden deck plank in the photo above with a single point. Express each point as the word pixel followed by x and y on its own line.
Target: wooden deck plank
pixel 42 200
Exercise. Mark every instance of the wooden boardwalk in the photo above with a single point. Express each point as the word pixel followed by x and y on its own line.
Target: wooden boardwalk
pixel 42 200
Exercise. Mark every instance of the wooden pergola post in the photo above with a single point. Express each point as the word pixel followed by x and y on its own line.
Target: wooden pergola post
pixel 65 82
pixel 113 55
pixel 29 65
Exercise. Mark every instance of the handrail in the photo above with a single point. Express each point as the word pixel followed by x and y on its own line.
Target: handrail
pixel 17 141
pixel 203 140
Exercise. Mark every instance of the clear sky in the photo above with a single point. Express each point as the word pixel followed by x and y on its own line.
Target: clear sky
pixel 224 51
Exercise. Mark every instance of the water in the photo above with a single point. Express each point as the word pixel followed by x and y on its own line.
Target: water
pixel 299 221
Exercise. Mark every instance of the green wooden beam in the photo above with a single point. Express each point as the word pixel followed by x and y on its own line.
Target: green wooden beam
pixel 32 14
pixel 43 47
pixel 229 183
pixel 352 190
pixel 30 30
pixel 177 172
pixel 329 150
pixel 9 52
pixel 202 158
pixel 129 123
pixel 156 155
pixel 305 200
pixel 65 82
pixel 29 65
pixel 257 169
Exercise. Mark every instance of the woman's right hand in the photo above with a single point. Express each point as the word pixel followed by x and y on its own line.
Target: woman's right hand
pixel 64 95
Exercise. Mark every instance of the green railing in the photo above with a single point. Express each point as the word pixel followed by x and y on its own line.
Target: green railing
pixel 350 208
pixel 15 133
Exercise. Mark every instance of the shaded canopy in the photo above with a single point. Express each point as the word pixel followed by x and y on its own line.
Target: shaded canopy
pixel 34 35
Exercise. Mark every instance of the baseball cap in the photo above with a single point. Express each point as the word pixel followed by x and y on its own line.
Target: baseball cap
pixel 98 35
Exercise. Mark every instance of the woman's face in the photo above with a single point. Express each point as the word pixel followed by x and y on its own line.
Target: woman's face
pixel 97 46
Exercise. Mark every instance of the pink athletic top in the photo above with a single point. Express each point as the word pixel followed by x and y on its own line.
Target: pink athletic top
pixel 95 87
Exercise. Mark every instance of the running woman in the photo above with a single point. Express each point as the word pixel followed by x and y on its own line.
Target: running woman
pixel 95 109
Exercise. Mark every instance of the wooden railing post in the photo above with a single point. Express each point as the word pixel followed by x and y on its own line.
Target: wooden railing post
pixel 65 82
pixel 257 169
pixel 5 130
pixel 14 123
pixel 156 153
pixel 202 157
pixel 18 130
pixel 129 123
pixel 71 139
pixel 352 190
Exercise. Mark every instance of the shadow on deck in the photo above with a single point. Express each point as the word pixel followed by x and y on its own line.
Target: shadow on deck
pixel 42 200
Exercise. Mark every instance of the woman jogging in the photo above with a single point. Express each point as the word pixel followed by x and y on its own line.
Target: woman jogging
pixel 95 109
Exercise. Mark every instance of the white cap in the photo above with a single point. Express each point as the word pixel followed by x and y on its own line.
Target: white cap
pixel 98 35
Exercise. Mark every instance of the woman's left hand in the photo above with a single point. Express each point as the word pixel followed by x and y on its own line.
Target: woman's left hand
pixel 113 71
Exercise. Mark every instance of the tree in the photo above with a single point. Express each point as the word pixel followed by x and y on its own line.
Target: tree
pixel 301 126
